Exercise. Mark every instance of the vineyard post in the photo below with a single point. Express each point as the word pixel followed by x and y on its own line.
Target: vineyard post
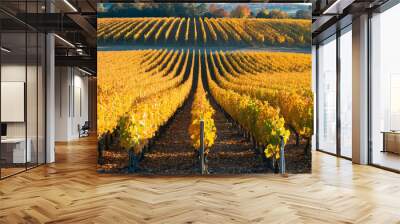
pixel 202 147
pixel 132 161
pixel 100 158
pixel 282 156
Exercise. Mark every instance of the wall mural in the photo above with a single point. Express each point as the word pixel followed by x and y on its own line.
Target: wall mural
pixel 199 88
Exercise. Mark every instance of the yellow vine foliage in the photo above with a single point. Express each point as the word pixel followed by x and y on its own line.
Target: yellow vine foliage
pixel 179 29
pixel 286 32
pixel 138 91
pixel 146 74
pixel 295 105
pixel 202 110
pixel 195 29
pixel 203 30
pixel 142 120
pixel 187 29
pixel 171 26
pixel 259 118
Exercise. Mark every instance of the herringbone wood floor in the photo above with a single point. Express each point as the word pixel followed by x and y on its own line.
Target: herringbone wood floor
pixel 70 191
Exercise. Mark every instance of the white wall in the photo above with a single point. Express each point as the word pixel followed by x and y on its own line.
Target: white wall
pixel 16 73
pixel 71 102
pixel 10 73
pixel 62 81
pixel 80 110
pixel 33 127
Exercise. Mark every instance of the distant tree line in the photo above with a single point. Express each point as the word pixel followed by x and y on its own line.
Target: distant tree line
pixel 279 14
pixel 153 10
pixel 194 10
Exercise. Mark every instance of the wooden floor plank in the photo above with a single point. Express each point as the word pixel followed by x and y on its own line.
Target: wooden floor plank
pixel 71 191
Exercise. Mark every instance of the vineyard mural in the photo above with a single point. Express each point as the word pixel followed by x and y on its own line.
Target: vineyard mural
pixel 201 88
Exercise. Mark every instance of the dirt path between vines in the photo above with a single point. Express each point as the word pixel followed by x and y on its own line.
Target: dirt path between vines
pixel 172 153
pixel 232 153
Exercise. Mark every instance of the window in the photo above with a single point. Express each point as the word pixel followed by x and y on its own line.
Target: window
pixel 327 95
pixel 22 88
pixel 385 89
pixel 346 92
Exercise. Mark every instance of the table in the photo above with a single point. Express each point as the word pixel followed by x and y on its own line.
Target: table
pixel 16 147
pixel 391 141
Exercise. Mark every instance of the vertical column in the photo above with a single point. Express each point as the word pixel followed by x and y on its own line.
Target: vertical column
pixel 360 90
pixel 92 103
pixel 62 103
pixel 314 89
pixel 338 91
pixel 50 92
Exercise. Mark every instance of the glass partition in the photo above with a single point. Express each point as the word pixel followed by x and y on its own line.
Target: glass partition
pixel 385 89
pixel 22 91
pixel 31 100
pixel 41 96
pixel 327 95
pixel 346 92
pixel 13 95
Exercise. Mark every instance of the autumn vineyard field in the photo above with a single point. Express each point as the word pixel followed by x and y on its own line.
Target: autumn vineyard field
pixel 201 31
pixel 151 100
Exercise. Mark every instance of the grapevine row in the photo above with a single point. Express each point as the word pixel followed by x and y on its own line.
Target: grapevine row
pixel 142 121
pixel 115 96
pixel 257 117
pixel 288 32
pixel 295 108
pixel 151 84
pixel 202 110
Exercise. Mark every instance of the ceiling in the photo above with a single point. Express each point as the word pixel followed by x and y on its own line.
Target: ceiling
pixel 74 22
pixel 331 15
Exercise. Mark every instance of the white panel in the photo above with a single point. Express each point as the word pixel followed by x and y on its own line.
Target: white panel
pixel 77 102
pixel 20 155
pixel 76 119
pixel 12 101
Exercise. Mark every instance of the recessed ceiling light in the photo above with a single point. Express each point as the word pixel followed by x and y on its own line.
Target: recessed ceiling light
pixel 5 50
pixel 64 40
pixel 70 5
pixel 84 71
pixel 337 7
